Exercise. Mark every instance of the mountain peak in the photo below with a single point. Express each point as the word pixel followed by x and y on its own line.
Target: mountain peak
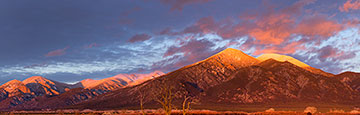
pixel 231 51
pixel 36 79
pixel 15 81
pixel 282 58
pixel 231 56
pixel 88 82
pixel 14 87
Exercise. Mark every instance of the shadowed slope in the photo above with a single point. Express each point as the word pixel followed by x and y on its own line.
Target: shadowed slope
pixel 350 78
pixel 279 82
pixel 283 58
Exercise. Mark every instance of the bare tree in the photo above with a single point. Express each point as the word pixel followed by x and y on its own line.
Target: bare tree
pixel 164 96
pixel 141 99
pixel 186 104
pixel 187 99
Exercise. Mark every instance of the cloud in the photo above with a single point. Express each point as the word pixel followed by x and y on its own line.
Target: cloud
pixel 318 26
pixel 68 67
pixel 139 38
pixel 57 52
pixel 271 30
pixel 350 5
pixel 290 30
pixel 282 49
pixel 43 64
pixel 332 53
pixel 203 25
pixel 125 58
pixel 91 45
pixel 327 52
pixel 180 4
pixel 187 52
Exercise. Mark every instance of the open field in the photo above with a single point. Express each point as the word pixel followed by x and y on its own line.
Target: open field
pixel 174 112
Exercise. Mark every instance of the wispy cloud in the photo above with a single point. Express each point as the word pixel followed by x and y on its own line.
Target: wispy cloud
pixel 350 5
pixel 57 52
pixel 139 38
pixel 180 4
pixel 91 45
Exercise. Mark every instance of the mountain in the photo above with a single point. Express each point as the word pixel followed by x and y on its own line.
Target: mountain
pixel 272 81
pixel 118 81
pixel 283 58
pixel 71 97
pixel 42 86
pixel 17 92
pixel 350 78
pixel 228 78
pixel 196 77
pixel 13 87
pixel 72 94
pixel 233 78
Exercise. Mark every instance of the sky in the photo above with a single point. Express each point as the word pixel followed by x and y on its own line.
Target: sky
pixel 71 40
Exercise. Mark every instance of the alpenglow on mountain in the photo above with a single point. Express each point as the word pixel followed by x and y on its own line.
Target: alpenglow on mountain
pixel 228 78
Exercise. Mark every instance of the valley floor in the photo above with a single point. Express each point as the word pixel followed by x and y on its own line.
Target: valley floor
pixel 174 112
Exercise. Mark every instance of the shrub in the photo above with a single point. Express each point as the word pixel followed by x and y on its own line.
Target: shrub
pixel 270 110
pixel 337 111
pixel 310 109
pixel 354 111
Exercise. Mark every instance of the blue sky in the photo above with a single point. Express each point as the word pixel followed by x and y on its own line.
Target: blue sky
pixel 72 40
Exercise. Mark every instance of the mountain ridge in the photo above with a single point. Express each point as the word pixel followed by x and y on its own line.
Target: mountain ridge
pixel 38 88
pixel 283 58
pixel 287 82
pixel 230 76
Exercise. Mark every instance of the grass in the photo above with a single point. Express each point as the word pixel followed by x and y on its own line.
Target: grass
pixel 159 112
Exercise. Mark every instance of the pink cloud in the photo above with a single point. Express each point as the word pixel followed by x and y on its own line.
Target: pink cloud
pixel 284 30
pixel 139 38
pixel 91 45
pixel 203 25
pixel 283 49
pixel 273 29
pixel 180 4
pixel 350 5
pixel 318 26
pixel 57 52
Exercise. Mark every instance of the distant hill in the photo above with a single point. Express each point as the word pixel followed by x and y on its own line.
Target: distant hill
pixel 45 93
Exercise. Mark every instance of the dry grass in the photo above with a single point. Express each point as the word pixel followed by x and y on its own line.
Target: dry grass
pixel 174 112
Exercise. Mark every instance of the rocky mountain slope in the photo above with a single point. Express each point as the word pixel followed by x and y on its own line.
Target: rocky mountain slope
pixel 350 78
pixel 38 92
pixel 16 92
pixel 71 97
pixel 118 81
pixel 283 58
pixel 232 77
pixel 273 81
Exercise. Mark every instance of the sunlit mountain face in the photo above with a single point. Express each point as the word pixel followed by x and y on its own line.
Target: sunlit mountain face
pixel 100 54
